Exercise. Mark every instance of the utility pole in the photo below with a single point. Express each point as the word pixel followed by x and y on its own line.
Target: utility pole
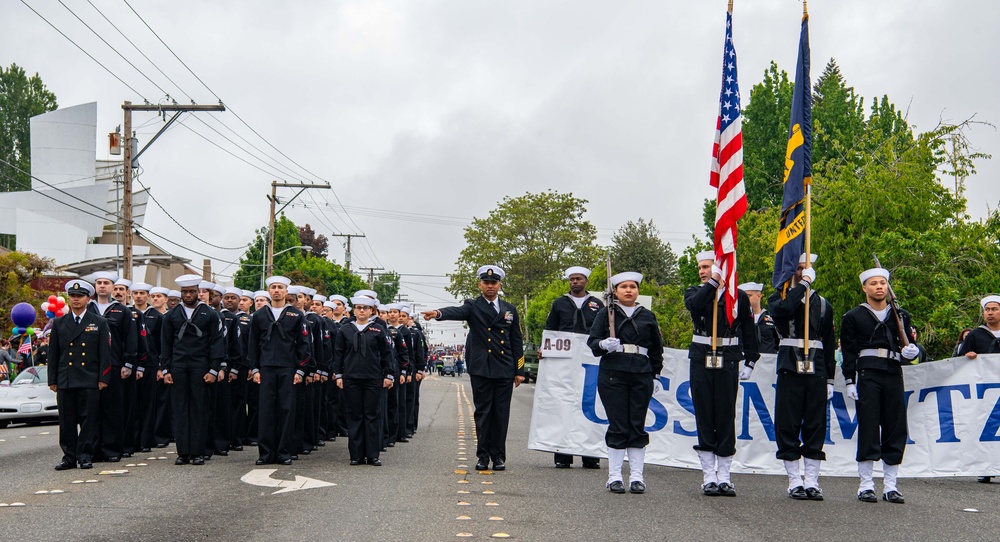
pixel 371 274
pixel 274 199
pixel 347 254
pixel 128 160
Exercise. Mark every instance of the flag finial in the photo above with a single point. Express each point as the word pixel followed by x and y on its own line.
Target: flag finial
pixel 730 6
pixel 805 8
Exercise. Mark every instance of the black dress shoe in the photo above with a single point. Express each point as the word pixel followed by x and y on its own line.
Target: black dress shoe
pixel 313 448
pixel 198 461
pixel 710 489
pixel 985 479
pixel 637 487
pixel 562 465
pixel 252 443
pixel 145 450
pixel 814 494
pixel 182 461
pixel 894 497
pixel 294 457
pixel 260 462
pixel 355 462
pixel 403 440
pixel 222 452
pixel 86 465
pixel 127 454
pixel 114 459
pixel 499 465
pixel 390 445
pixel 798 493
pixel 375 462
pixel 867 496
pixel 207 457
pixel 591 465
pixel 285 462
pixel 727 490
pixel 616 487
pixel 65 465
pixel 482 465
pixel 237 448
pixel 162 445
pixel 321 443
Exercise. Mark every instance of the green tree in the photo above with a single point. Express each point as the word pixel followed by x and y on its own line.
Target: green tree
pixel 18 270
pixel 838 115
pixel 765 137
pixel 533 238
pixel 387 286
pixel 21 97
pixel 253 262
pixel 637 246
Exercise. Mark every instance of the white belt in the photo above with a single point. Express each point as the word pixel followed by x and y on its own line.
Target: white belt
pixel 633 349
pixel 720 341
pixel 797 343
pixel 884 353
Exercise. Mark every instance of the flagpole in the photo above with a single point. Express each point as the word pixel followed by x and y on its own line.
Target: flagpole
pixel 807 181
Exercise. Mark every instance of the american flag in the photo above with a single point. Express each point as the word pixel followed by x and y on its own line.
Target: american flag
pixel 25 346
pixel 727 170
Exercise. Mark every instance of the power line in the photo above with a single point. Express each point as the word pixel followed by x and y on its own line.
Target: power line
pixel 67 204
pixel 60 190
pixel 120 80
pixel 181 226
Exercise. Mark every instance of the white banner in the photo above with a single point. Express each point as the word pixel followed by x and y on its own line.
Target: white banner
pixel 953 411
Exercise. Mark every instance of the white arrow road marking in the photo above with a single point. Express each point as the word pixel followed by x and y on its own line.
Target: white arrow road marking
pixel 262 477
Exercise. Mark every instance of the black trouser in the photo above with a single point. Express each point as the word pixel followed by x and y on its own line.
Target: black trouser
pixel 299 421
pixel 77 407
pixel 253 419
pixel 393 412
pixel 402 415
pixel 310 422
pixel 111 437
pixel 341 413
pixel 384 408
pixel 164 431
pixel 145 403
pixel 881 417
pixel 362 399
pixel 625 397
pixel 222 414
pixel 411 406
pixel 130 424
pixel 189 396
pixel 713 392
pixel 323 412
pixel 492 399
pixel 415 413
pixel 800 413
pixel 276 413
pixel 238 408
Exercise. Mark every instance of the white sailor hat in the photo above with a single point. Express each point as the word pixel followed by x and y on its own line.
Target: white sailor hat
pixel 106 275
pixel 220 288
pixel 990 299
pixel 246 293
pixel 141 287
pixel 705 255
pixel 186 281
pixel 340 298
pixel 362 300
pixel 406 310
pixel 320 298
pixel 262 293
pixel 577 270
pixel 366 293
pixel 873 272
pixel 330 304
pixel 490 272
pixel 123 282
pixel 751 287
pixel 277 279
pixel 159 290
pixel 296 290
pixel 627 275
pixel 812 258
pixel 79 287
pixel 238 292
pixel 205 285
pixel 173 293
pixel 311 292
pixel 383 307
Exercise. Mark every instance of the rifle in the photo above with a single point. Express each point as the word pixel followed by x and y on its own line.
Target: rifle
pixel 894 307
pixel 609 299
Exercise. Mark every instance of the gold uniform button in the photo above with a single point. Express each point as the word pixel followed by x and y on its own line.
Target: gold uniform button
pixel 71 364
pixel 501 342
pixel 83 354
pixel 71 353
pixel 489 340
pixel 84 344
pixel 501 332
pixel 489 351
pixel 489 329
pixel 501 352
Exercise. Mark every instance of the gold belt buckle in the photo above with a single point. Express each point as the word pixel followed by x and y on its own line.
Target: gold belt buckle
pixel 804 366
pixel 713 361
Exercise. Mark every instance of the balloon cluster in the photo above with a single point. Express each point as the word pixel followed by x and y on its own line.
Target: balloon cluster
pixel 55 306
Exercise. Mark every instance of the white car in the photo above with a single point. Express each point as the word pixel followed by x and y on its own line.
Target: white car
pixel 28 398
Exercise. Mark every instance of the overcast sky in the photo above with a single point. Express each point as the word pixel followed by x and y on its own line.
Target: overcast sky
pixel 441 108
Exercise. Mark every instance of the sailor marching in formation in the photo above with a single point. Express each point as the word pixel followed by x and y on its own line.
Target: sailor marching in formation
pixel 215 369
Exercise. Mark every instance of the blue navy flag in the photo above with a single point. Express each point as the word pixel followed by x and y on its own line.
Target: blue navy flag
pixel 798 170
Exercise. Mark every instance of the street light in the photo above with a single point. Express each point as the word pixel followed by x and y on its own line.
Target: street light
pixel 263 264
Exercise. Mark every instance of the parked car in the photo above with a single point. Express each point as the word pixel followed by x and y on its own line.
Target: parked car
pixel 28 398
pixel 530 363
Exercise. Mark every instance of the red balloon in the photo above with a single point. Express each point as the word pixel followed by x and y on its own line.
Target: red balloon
pixel 63 311
pixel 52 299
pixel 60 303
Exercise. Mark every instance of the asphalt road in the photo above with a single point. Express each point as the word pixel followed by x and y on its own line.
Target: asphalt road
pixel 416 495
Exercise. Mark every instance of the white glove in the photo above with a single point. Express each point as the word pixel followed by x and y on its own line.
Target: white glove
pixel 716 270
pixel 852 391
pixel 611 344
pixel 657 387
pixel 809 275
pixel 910 351
pixel 745 372
pixel 829 391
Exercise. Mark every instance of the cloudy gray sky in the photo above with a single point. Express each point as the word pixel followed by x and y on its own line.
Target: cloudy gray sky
pixel 421 109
